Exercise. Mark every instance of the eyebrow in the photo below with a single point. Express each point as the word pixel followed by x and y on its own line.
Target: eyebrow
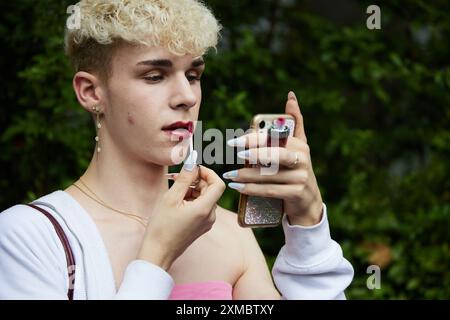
pixel 168 64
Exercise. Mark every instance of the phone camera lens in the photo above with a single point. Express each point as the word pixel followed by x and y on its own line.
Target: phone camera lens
pixel 262 124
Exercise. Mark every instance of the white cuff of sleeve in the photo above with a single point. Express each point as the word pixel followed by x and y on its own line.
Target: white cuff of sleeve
pixel 145 281
pixel 307 246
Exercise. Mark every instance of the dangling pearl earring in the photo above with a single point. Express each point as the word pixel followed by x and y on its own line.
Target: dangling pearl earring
pixel 97 110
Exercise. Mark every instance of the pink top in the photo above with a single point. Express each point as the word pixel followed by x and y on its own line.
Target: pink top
pixel 208 290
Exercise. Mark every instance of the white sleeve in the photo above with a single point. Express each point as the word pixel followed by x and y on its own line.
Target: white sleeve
pixel 33 264
pixel 145 281
pixel 310 265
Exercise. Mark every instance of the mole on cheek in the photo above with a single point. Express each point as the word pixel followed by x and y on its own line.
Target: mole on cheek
pixel 130 119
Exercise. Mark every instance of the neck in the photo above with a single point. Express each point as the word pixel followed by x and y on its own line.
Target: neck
pixel 125 183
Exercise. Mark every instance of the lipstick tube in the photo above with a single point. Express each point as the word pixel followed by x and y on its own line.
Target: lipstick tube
pixel 278 133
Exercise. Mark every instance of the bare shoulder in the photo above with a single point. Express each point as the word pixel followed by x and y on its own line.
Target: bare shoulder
pixel 226 216
pixel 228 220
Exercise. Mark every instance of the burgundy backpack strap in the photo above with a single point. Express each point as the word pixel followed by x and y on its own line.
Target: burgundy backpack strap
pixel 68 250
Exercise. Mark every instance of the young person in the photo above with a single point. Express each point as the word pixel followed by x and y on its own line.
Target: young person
pixel 138 67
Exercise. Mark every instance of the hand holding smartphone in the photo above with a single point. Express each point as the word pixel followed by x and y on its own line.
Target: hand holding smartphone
pixel 257 211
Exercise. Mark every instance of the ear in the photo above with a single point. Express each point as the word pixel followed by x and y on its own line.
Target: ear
pixel 88 90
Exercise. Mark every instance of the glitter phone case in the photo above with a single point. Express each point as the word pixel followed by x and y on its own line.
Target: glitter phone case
pixel 261 211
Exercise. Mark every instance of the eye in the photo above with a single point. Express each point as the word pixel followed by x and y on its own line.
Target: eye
pixel 154 77
pixel 193 77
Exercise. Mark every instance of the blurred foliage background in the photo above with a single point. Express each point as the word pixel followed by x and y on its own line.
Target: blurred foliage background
pixel 376 106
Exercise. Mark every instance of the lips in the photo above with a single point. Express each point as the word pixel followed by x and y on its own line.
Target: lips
pixel 188 125
pixel 179 129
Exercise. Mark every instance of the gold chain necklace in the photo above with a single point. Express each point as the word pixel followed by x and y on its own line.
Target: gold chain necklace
pixel 141 220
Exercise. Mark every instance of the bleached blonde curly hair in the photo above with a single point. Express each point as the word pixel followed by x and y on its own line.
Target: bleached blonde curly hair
pixel 180 26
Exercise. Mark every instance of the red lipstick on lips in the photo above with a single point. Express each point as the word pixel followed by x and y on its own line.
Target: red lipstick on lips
pixel 180 129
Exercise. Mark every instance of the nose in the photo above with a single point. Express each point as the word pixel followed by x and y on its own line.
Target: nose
pixel 183 94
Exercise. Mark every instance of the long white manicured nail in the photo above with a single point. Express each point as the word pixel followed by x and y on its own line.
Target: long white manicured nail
pixel 238 142
pixel 236 186
pixel 244 154
pixel 191 161
pixel 230 174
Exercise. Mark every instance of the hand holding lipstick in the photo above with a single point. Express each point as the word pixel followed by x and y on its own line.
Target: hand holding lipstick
pixel 182 214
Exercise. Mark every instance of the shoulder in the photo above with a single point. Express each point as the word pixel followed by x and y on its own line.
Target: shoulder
pixel 21 217
pixel 228 219
pixel 23 227
pixel 226 216
pixel 32 261
pixel 244 237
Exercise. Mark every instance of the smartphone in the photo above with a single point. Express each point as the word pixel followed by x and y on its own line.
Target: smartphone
pixel 261 211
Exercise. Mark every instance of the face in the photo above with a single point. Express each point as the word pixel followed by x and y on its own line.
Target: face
pixel 153 98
